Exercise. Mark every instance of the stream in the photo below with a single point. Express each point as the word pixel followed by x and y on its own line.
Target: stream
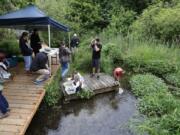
pixel 105 114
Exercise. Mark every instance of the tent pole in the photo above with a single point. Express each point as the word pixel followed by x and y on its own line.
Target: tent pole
pixel 49 35
pixel 69 35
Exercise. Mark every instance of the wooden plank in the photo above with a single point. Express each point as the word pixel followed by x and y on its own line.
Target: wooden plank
pixel 23 106
pixel 24 99
pixel 21 94
pixel 88 83
pixel 10 97
pixel 9 121
pixel 17 116
pixel 23 91
pixel 34 111
pixel 104 84
pixel 7 133
pixel 27 102
pixel 30 88
pixel 20 110
pixel 10 128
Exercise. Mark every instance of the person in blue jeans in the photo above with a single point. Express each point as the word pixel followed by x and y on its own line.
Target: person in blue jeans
pixel 26 50
pixel 64 57
pixel 4 106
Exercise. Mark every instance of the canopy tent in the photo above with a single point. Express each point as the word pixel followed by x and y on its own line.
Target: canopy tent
pixel 28 18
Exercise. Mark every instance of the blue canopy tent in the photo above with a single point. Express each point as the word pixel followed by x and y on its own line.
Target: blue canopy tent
pixel 28 18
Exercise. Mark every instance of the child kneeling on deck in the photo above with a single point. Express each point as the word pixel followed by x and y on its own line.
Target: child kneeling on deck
pixel 77 81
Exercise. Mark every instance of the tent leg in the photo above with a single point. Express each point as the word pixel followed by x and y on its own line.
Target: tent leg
pixel 49 57
pixel 69 35
pixel 49 35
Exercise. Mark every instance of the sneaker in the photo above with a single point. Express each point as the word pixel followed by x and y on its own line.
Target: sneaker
pixel 38 82
pixel 8 109
pixel 4 115
pixel 92 75
pixel 98 77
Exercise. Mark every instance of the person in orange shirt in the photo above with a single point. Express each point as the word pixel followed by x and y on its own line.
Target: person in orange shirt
pixel 118 73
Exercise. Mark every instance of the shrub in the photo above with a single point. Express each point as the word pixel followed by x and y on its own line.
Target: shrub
pixel 168 124
pixel 147 84
pixel 150 58
pixel 11 47
pixel 85 94
pixel 173 78
pixel 114 53
pixel 53 93
pixel 157 104
pixel 82 61
pixel 161 21
pixel 121 20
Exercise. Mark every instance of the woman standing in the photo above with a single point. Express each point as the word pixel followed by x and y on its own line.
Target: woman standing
pixel 26 51
pixel 64 57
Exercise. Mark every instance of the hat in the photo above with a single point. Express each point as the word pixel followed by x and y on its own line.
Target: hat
pixel 1 87
pixel 75 35
pixel 45 50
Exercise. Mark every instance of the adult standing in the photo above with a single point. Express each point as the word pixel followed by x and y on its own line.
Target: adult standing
pixel 96 55
pixel 35 41
pixel 40 66
pixel 4 106
pixel 64 57
pixel 4 75
pixel 26 50
pixel 74 42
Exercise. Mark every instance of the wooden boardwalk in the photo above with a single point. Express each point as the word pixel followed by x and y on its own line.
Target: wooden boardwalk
pixel 105 83
pixel 24 99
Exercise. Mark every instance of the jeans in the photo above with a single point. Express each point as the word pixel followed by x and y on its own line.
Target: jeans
pixel 27 61
pixel 3 103
pixel 64 69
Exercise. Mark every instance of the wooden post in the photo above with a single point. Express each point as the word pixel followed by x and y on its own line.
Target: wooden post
pixel 69 35
pixel 49 35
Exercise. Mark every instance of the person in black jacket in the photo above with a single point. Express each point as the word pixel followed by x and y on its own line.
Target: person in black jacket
pixel 35 41
pixel 26 50
pixel 96 55
pixel 40 66
pixel 64 57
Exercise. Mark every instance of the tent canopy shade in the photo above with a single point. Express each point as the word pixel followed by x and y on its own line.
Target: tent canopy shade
pixel 28 18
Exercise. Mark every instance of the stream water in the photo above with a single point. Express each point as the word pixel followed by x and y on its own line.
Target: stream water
pixel 105 114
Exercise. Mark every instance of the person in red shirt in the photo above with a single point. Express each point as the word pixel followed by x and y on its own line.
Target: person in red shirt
pixel 118 72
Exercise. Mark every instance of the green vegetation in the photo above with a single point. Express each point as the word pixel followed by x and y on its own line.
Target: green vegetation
pixel 142 36
pixel 10 47
pixel 173 78
pixel 85 94
pixel 53 92
pixel 161 20
pixel 157 104
pixel 144 85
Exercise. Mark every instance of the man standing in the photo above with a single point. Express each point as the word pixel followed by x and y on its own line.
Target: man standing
pixel 74 44
pixel 74 41
pixel 64 57
pixel 40 66
pixel 96 55
pixel 35 41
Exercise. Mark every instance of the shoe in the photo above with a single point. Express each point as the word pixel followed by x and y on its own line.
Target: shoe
pixel 98 77
pixel 8 109
pixel 92 75
pixel 4 115
pixel 38 82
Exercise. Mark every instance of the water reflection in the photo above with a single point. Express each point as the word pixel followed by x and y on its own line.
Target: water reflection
pixel 102 115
